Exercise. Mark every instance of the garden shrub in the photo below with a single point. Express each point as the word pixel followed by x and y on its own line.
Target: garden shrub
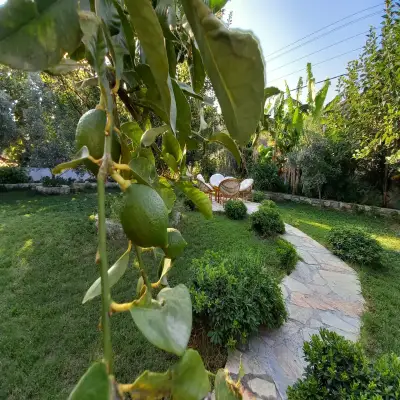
pixel 258 196
pixel 287 256
pixel 355 246
pixel 268 204
pixel 267 222
pixel 233 295
pixel 55 181
pixel 10 175
pixel 265 175
pixel 235 209
pixel 338 369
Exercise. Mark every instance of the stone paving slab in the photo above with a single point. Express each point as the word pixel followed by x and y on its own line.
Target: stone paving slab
pixel 322 292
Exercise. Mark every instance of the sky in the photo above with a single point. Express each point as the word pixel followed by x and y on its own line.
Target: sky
pixel 278 23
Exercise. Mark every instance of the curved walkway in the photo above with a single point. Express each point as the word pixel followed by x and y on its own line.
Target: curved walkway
pixel 322 292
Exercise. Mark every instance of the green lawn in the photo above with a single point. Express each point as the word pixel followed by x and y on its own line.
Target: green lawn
pixel 380 287
pixel 47 249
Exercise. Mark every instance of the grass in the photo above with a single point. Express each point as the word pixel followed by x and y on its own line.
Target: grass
pixel 380 287
pixel 47 251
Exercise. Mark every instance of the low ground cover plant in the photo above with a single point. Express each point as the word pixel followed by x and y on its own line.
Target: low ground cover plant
pixel 233 295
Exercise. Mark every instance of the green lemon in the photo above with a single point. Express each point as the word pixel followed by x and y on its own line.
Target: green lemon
pixel 176 244
pixel 144 216
pixel 90 133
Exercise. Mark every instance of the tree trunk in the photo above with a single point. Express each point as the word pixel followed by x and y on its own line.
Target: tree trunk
pixel 320 197
pixel 385 185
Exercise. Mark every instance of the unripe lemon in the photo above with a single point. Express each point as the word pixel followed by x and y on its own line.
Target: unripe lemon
pixel 90 133
pixel 176 244
pixel 144 216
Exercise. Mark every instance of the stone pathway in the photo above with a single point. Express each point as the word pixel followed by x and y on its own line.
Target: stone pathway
pixel 322 292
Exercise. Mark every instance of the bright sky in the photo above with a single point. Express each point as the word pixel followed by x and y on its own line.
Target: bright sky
pixel 278 23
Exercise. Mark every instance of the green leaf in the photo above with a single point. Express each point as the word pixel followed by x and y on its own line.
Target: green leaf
pixel 150 135
pixel 168 195
pixel 289 100
pixel 94 384
pixel 170 160
pixel 320 99
pixel 151 385
pixel 225 388
pixel 116 52
pixel 183 123
pixel 106 10
pixel 226 141
pixel 167 323
pixel 128 31
pixel 149 32
pixel 147 153
pixel 234 64
pixel 196 68
pixel 133 131
pixel 169 44
pixel 199 198
pixel 217 5
pixel 189 377
pixel 94 41
pixel 189 91
pixel 166 266
pixel 115 273
pixel 143 170
pixel 171 145
pixel 35 35
pixel 80 156
pixel 269 92
pixel 146 75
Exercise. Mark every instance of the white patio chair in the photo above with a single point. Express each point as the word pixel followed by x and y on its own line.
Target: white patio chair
pixel 246 186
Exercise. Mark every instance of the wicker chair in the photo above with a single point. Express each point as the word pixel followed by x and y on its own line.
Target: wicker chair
pixel 229 189
pixel 204 187
pixel 246 186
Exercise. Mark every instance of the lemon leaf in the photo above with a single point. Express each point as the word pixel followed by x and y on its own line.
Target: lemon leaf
pixel 167 323
pixel 143 170
pixel 150 135
pixel 115 273
pixel 226 141
pixel 233 61
pixel 199 198
pixel 94 384
pixel 80 156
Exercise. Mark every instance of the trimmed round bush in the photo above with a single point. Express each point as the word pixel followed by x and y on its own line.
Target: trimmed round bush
pixel 258 196
pixel 13 175
pixel 355 246
pixel 287 256
pixel 268 204
pixel 338 369
pixel 267 222
pixel 235 209
pixel 232 295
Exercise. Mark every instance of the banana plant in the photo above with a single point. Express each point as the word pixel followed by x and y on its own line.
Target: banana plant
pixel 134 48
